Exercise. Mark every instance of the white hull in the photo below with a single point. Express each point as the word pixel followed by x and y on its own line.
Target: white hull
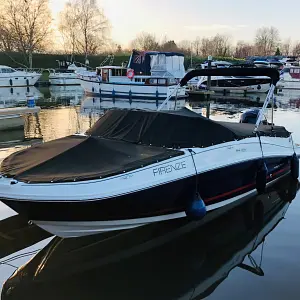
pixel 64 79
pixel 19 80
pixel 130 90
pixel 263 88
pixel 11 122
pixel 291 84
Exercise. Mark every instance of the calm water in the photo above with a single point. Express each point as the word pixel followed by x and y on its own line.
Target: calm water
pixel 230 258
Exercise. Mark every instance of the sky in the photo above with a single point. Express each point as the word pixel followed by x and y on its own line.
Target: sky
pixel 185 20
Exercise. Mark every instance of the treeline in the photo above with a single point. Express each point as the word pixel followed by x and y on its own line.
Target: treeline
pixel 267 42
pixel 83 32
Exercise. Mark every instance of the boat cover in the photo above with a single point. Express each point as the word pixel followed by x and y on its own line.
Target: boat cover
pixel 176 129
pixel 121 141
pixel 77 158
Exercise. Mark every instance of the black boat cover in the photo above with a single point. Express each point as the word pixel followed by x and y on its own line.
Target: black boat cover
pixel 78 158
pixel 124 140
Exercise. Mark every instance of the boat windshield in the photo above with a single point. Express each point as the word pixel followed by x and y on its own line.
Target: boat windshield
pixel 7 70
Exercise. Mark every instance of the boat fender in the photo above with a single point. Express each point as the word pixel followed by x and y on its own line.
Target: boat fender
pixel 259 87
pixel 10 82
pixel 295 166
pixel 196 209
pixel 27 82
pixel 261 178
pixel 130 94
pixel 93 89
pixel 113 93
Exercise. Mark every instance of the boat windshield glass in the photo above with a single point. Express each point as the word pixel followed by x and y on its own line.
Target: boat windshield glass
pixel 7 70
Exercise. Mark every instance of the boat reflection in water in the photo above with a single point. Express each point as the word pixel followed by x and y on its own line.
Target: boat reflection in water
pixel 172 260
pixel 97 105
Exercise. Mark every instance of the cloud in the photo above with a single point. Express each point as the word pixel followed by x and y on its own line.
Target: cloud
pixel 214 27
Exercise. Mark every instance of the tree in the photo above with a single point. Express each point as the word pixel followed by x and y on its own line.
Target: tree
pixel 145 41
pixel 296 49
pixel 266 40
pixel 286 47
pixel 26 26
pixel 185 46
pixel 196 46
pixel 169 46
pixel 85 25
pixel 68 28
pixel 243 49
pixel 277 53
pixel 221 45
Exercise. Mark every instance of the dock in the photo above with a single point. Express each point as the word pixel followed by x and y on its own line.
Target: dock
pixel 12 118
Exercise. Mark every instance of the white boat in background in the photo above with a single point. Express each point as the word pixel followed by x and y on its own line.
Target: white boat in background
pixel 289 78
pixel 10 77
pixel 217 64
pixel 237 84
pixel 261 64
pixel 66 75
pixel 150 75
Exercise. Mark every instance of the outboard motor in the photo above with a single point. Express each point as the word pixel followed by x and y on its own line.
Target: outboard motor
pixel 250 116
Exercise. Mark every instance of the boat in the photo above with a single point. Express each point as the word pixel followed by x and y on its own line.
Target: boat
pixel 149 74
pixel 289 78
pixel 197 259
pixel 66 74
pixel 137 167
pixel 236 84
pixel 217 64
pixel 10 77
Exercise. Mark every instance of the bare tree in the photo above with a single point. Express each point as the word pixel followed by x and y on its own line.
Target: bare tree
pixel 196 46
pixel 27 26
pixel 296 49
pixel 68 28
pixel 221 45
pixel 85 26
pixel 286 46
pixel 185 46
pixel 267 40
pixel 145 41
pixel 243 49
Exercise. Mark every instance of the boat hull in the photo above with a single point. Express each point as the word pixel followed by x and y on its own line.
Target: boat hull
pixel 129 90
pixel 19 80
pixel 64 80
pixel 221 189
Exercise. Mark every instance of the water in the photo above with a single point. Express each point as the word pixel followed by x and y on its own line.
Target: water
pixel 170 261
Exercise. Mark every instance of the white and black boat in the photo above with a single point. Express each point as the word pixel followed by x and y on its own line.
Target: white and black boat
pixel 136 167
pixel 237 84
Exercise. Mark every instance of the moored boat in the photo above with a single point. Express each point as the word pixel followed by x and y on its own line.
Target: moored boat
pixel 148 75
pixel 289 78
pixel 10 77
pixel 66 75
pixel 136 167
pixel 237 84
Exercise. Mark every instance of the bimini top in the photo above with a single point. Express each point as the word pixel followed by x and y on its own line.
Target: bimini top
pixel 269 72
pixel 121 141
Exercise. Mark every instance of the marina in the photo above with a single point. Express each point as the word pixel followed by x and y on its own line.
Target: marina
pixel 156 158
pixel 62 119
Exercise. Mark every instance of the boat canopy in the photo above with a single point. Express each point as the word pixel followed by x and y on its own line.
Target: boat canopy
pixel 269 72
pixel 122 141
pixel 155 63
